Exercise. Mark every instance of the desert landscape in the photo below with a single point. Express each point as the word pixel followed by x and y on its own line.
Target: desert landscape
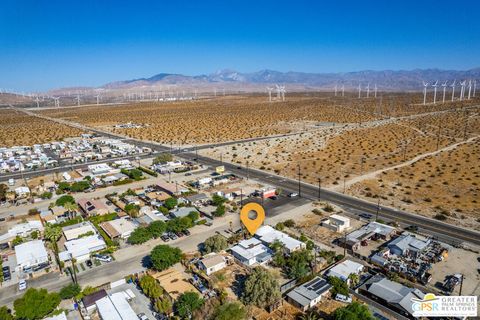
pixel 364 147
pixel 17 128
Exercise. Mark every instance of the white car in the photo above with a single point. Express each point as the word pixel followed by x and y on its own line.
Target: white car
pixel 293 194
pixel 342 298
pixel 22 285
pixel 103 258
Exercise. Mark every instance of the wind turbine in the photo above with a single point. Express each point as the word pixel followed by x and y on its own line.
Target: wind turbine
pixel 453 89
pixel 269 89
pixel 98 99
pixel 368 90
pixel 335 90
pixel 469 88
pixel 435 91
pixel 474 86
pixel 282 91
pixel 57 101
pixel 359 90
pixel 78 100
pixel 425 85
pixel 444 85
pixel 37 100
pixel 375 90
pixel 343 90
pixel 462 91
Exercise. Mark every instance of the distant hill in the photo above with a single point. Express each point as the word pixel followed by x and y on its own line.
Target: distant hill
pixel 387 79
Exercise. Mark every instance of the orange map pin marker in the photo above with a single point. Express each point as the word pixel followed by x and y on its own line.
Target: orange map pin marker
pixel 252 224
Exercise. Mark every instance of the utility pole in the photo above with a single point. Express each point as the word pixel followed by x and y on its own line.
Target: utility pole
pixel 241 198
pixel 465 126
pixel 247 171
pixel 344 243
pixel 319 187
pixel 299 181
pixel 461 284
pixel 378 209
pixel 362 161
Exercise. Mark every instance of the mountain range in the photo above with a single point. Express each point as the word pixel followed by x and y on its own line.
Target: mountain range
pixel 387 79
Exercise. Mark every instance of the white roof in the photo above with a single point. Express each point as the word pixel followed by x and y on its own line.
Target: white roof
pixel 250 248
pixel 344 269
pixel 115 307
pixel 268 235
pixel 339 218
pixel 61 316
pixel 122 225
pixel 76 230
pixel 31 252
pixel 22 228
pixel 85 245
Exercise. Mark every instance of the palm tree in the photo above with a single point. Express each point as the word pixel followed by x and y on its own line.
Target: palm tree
pixel 73 260
pixel 71 208
pixel 52 234
pixel 353 277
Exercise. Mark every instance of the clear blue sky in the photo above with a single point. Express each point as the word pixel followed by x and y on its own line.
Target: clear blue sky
pixel 47 44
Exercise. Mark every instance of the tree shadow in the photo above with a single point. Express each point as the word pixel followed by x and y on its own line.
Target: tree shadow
pixel 147 262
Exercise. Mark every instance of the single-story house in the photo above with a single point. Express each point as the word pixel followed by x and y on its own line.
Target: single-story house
pixel 89 301
pixel 182 212
pixel 92 207
pixel 397 296
pixel 309 294
pixel 268 235
pixel 174 282
pixel 170 188
pixel 22 230
pixel 212 263
pixel 31 256
pixel 251 252
pixel 81 248
pixel 118 228
pixel 371 231
pixel 78 230
pixel 197 199
pixel 115 307
pixel 407 245
pixel 337 223
pixel 344 269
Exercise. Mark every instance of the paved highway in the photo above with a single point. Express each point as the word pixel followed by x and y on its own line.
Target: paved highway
pixel 306 190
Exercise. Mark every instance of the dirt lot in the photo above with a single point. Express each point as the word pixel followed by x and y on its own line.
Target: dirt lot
pixel 459 261
pixel 18 129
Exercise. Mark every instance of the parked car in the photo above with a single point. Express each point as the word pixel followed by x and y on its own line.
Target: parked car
pixel 186 232
pixel 103 257
pixel 165 238
pixel 89 263
pixel 188 174
pixel 172 236
pixel 142 316
pixel 6 273
pixel 293 195
pixel 365 216
pixel 343 298
pixel 22 285
pixel 179 234
pixel 273 198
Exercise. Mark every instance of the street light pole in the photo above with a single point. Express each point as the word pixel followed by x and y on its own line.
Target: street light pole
pixel 299 181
